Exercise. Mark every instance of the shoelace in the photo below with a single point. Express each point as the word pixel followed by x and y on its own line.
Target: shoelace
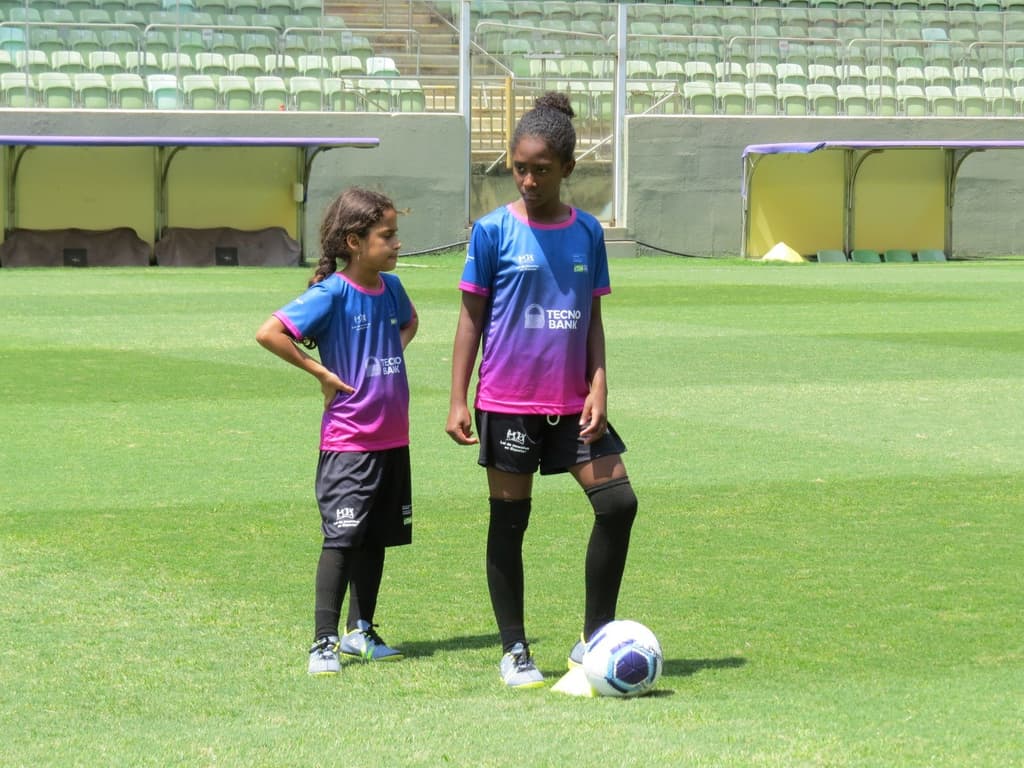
pixel 523 661
pixel 371 634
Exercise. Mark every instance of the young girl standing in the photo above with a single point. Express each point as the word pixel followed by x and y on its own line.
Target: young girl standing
pixel 531 295
pixel 360 319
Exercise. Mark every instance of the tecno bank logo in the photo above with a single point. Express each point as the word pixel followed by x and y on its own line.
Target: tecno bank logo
pixel 383 366
pixel 537 317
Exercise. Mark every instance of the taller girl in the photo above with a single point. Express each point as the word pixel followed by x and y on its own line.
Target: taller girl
pixel 531 293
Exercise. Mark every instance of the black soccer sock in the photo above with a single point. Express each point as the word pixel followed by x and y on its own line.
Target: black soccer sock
pixel 364 584
pixel 509 520
pixel 614 506
pixel 331 581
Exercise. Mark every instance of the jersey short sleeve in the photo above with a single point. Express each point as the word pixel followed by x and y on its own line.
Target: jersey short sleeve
pixel 540 281
pixel 358 338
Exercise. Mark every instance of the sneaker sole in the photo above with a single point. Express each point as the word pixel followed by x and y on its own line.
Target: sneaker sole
pixel 525 686
pixel 328 673
pixel 359 657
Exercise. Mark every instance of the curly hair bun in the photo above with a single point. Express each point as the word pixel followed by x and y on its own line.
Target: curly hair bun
pixel 555 100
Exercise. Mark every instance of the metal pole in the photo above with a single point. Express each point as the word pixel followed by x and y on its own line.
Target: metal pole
pixel 620 114
pixel 465 89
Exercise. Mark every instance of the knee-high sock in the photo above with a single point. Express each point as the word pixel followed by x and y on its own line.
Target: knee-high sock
pixel 331 582
pixel 614 506
pixel 508 523
pixel 364 584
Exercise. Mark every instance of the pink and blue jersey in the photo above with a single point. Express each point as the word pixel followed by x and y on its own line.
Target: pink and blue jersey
pixel 357 335
pixel 541 280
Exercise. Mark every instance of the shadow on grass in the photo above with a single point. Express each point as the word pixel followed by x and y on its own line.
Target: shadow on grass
pixel 425 648
pixel 688 667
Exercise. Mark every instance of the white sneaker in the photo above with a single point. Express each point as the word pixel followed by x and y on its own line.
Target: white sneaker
pixel 323 657
pixel 518 669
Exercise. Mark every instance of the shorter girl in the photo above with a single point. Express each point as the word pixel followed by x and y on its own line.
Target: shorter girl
pixel 361 320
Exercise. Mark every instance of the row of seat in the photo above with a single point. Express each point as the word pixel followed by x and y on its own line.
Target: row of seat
pixel 594 100
pixel 95 17
pixel 110 62
pixel 889 256
pixel 57 90
pixel 241 7
pixel 158 41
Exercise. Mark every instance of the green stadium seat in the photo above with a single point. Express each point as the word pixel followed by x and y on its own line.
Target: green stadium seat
pixel 346 66
pixel 998 102
pixel 278 7
pixel 130 16
pixel 59 16
pixel 306 93
pixel 91 90
pixel 164 92
pixel 898 255
pixel 865 256
pixel 941 101
pixel 822 99
pixel 119 41
pixel 270 20
pixel 376 95
pixel 179 64
pixel 341 95
pixel 209 64
pixel 730 98
pixel 17 89
pixel 56 90
pixel 244 8
pixel 31 61
pixel 141 63
pixel 68 62
pixel 215 8
pixel 314 65
pixel 384 66
pixel 831 256
pixel 236 92
pixel 200 92
pixel 257 44
pixel 245 64
pixel 792 99
pixel 853 100
pixel 882 100
pixel 912 100
pixel 699 97
pixel 280 64
pixel 931 254
pixel 409 95
pixel 94 16
pixel 271 93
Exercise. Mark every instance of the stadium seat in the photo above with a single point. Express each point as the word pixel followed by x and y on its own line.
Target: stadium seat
pixel 912 100
pixel 831 256
pixel 865 256
pixel 853 100
pixel 31 61
pixel 164 92
pixel 58 16
pixel 128 90
pixel 141 63
pixel 210 64
pixel 941 101
pixel 306 93
pixel 822 99
pixel 215 8
pixel 120 41
pixel 376 95
pixel 236 92
pixel 730 98
pixel 271 20
pixel 340 95
pixel 931 254
pixel 699 97
pixel 761 99
pixel 200 92
pixel 882 99
pixel 56 90
pixel 244 8
pixel 408 95
pixel 280 64
pixel 998 102
pixel 314 65
pixel 343 65
pixel 68 62
pixel 17 89
pixel 792 99
pixel 245 64
pixel 95 16
pixel 270 92
pixel 898 255
pixel 179 64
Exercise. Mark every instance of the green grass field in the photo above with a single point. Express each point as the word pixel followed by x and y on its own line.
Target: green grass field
pixel 830 466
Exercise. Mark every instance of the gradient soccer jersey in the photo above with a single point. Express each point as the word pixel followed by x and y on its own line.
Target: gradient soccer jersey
pixel 541 280
pixel 357 333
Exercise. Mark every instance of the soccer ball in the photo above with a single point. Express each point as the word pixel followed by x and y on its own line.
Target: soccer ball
pixel 623 659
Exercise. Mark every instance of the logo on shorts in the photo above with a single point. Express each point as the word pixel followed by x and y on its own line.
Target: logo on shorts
pixel 537 317
pixel 345 517
pixel 514 441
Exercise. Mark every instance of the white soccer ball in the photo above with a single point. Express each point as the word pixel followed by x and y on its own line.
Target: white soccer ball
pixel 623 658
